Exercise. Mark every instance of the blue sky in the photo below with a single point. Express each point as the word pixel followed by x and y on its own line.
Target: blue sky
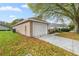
pixel 11 11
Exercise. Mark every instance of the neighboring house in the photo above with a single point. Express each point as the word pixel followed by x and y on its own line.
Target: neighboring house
pixel 3 27
pixel 54 25
pixel 31 27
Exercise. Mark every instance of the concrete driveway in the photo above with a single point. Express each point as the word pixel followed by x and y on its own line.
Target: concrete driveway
pixel 65 43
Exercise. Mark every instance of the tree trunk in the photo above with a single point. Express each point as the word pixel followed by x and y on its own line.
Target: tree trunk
pixel 77 29
pixel 77 25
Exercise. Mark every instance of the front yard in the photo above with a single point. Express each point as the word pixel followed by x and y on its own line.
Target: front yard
pixel 17 45
pixel 71 35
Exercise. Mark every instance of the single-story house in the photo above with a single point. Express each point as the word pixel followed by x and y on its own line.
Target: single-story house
pixel 4 27
pixel 32 27
pixel 54 25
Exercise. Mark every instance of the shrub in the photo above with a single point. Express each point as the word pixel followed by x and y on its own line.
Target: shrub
pixel 71 27
pixel 64 30
pixel 50 31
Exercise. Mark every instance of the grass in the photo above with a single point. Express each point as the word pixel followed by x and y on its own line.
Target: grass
pixel 71 35
pixel 13 44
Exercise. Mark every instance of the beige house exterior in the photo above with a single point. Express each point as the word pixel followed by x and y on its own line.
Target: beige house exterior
pixel 32 28
pixel 4 27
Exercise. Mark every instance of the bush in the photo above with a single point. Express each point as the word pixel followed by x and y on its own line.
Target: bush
pixel 50 31
pixel 64 30
pixel 71 27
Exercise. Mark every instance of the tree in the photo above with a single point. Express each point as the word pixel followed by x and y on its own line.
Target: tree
pixel 16 21
pixel 58 11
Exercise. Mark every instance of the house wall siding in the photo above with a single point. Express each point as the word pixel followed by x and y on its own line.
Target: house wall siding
pixel 23 28
pixel 32 29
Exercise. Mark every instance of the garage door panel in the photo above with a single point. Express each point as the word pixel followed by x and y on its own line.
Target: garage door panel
pixel 39 29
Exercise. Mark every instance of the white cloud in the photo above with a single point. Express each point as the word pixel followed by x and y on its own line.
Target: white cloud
pixel 12 16
pixel 25 6
pixel 9 8
pixel 34 14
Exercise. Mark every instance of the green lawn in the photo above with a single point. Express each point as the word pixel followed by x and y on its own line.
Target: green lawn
pixel 13 44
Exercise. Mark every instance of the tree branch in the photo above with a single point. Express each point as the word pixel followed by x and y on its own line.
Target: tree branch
pixel 64 9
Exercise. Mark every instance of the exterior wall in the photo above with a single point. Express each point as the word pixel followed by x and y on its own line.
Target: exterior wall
pixel 28 29
pixel 39 29
pixel 3 28
pixel 32 29
pixel 23 28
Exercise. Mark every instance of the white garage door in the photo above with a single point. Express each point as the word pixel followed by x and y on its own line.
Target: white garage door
pixel 39 29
